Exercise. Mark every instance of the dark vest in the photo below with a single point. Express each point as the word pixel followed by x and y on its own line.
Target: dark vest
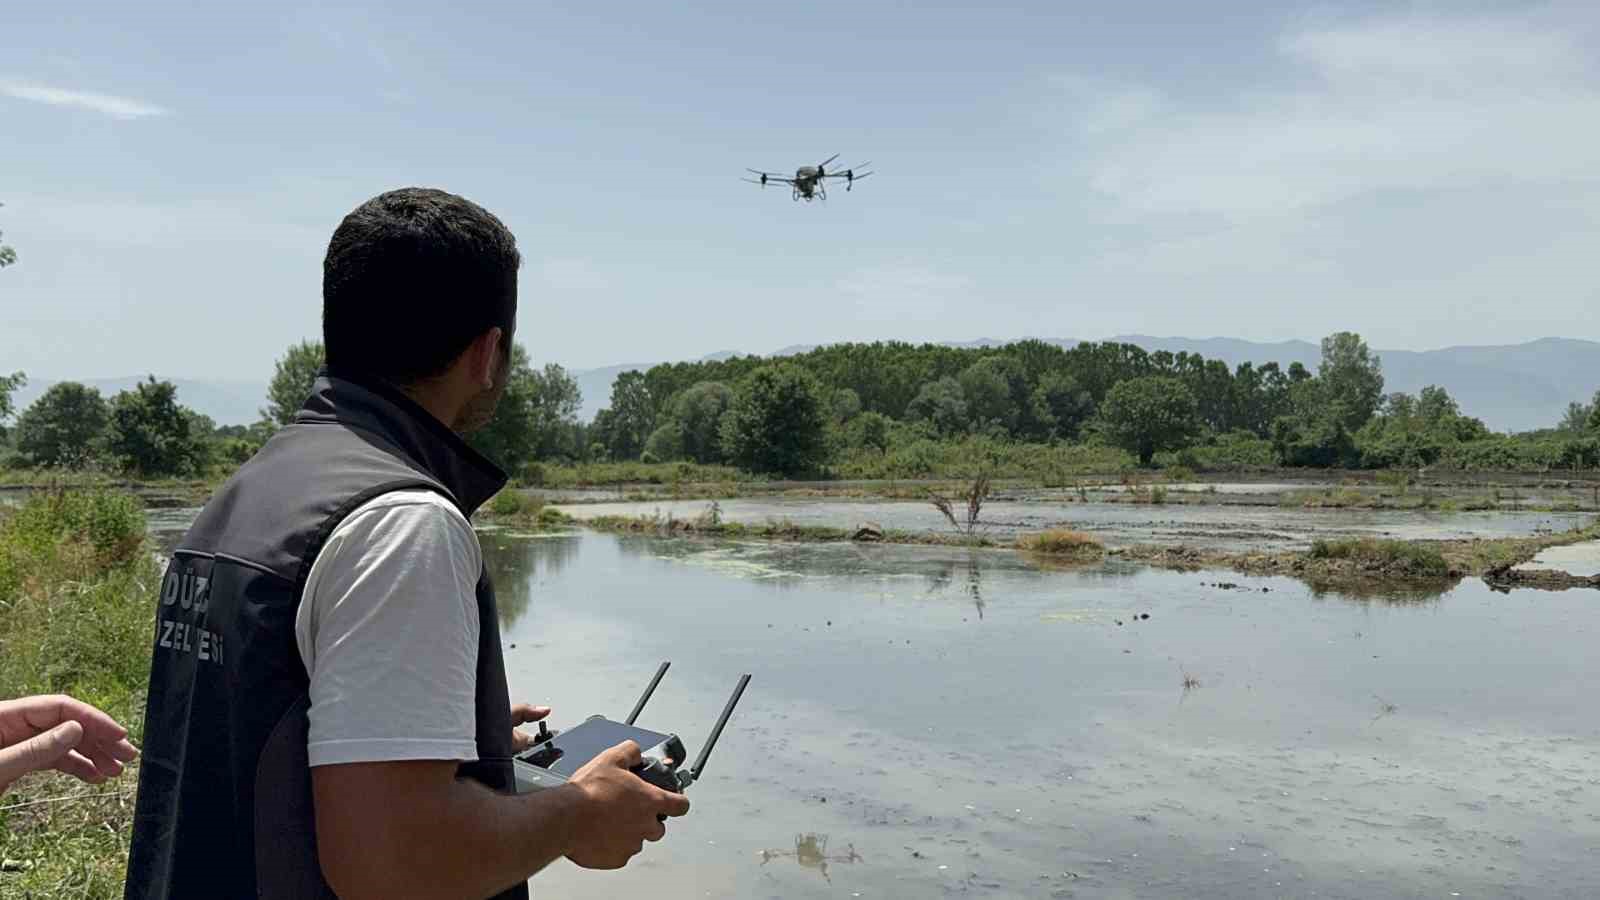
pixel 224 806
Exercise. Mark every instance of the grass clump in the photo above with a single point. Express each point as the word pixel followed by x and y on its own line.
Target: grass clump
pixel 507 503
pixel 77 589
pixel 1062 542
pixel 1393 557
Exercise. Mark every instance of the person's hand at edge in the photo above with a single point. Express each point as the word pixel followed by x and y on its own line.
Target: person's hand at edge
pixel 57 731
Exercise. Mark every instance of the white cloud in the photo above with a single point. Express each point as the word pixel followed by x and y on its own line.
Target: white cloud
pixel 1396 104
pixel 105 104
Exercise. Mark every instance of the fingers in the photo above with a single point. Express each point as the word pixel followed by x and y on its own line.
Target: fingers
pixel 656 833
pixel 523 713
pixel 625 755
pixel 98 727
pixel 124 751
pixel 41 751
pixel 674 804
pixel 82 768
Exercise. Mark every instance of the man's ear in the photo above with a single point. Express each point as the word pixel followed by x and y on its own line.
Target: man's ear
pixel 482 357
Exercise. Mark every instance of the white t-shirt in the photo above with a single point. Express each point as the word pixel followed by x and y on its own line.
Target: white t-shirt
pixel 388 630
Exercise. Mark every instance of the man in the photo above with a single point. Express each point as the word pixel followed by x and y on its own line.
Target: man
pixel 328 707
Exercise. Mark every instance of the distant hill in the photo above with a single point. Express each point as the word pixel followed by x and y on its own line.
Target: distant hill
pixel 225 402
pixel 1512 387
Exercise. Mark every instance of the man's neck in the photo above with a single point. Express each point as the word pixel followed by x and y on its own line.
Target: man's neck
pixel 436 401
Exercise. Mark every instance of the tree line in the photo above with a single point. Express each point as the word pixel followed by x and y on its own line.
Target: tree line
pixel 147 433
pixel 799 414
pixel 835 407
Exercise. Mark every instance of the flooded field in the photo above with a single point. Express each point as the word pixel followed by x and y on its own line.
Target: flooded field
pixel 936 722
pixel 1206 526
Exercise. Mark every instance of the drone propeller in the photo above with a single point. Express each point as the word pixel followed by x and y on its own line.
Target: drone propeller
pixel 822 166
pixel 850 178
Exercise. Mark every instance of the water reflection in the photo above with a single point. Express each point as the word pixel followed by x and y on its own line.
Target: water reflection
pixel 518 565
pixel 1363 592
pixel 1248 739
pixel 811 852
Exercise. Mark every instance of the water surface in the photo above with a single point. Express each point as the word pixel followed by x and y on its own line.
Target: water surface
pixel 1220 527
pixel 930 721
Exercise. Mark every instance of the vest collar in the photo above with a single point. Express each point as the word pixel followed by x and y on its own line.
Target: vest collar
pixel 373 405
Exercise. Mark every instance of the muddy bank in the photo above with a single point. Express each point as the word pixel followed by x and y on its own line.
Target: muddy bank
pixel 1328 563
pixel 1367 560
pixel 1285 488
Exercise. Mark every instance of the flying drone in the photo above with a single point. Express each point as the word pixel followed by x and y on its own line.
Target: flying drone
pixel 810 182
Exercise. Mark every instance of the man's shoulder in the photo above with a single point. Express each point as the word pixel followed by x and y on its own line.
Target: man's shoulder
pixel 401 520
pixel 420 502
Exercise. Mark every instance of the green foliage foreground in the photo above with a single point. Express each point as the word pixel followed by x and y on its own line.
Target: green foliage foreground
pixel 77 583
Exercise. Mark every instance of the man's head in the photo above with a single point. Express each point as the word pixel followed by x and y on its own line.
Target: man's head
pixel 419 288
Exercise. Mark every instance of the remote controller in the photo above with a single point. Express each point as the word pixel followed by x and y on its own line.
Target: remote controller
pixel 560 754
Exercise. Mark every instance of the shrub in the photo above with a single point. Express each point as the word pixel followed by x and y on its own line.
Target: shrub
pixel 1062 542
pixel 534 475
pixel 1395 557
pixel 506 503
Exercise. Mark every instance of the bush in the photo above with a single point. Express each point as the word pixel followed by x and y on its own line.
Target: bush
pixel 1062 542
pixel 506 503
pixel 533 474
pixel 1394 557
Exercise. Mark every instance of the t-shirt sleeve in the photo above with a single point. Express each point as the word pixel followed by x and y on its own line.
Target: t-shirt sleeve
pixel 388 630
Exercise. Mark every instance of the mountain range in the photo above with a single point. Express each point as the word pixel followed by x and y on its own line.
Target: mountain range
pixel 1511 387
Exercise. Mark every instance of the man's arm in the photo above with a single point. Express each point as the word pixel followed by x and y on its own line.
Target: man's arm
pixel 413 829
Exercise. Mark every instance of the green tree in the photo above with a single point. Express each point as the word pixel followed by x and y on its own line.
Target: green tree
pixel 149 433
pixel 631 418
pixel 777 422
pixel 1580 417
pixel 556 399
pixel 845 405
pixel 292 379
pixel 8 384
pixel 987 387
pixel 1060 406
pixel 7 255
pixel 1147 415
pixel 870 429
pixel 942 404
pixel 1352 378
pixel 1576 418
pixel 536 418
pixel 63 427
pixel 697 416
pixel 665 444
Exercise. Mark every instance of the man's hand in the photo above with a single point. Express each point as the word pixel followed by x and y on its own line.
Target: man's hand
pixel 622 810
pixel 56 731
pixel 522 714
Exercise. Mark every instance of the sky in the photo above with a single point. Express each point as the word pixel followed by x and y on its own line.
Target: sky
pixel 1423 174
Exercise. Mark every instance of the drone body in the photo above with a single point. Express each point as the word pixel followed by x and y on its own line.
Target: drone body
pixel 810 182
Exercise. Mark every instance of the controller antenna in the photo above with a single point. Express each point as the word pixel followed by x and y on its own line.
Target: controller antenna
pixel 651 689
pixel 716 732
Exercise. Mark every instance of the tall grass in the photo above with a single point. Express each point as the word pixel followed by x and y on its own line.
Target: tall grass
pixel 1062 542
pixel 77 586
pixel 1399 557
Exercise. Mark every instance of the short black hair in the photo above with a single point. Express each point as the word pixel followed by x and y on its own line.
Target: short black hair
pixel 412 277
